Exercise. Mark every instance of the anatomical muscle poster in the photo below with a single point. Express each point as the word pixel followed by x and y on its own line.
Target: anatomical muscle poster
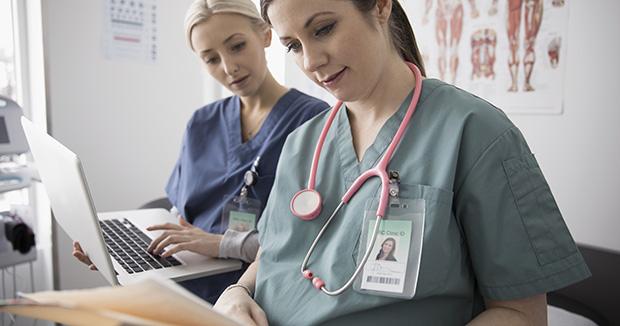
pixel 509 52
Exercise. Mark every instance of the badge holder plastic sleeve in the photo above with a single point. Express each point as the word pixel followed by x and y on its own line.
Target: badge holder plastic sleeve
pixel 400 209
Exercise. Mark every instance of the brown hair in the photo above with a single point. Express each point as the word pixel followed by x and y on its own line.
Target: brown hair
pixel 401 32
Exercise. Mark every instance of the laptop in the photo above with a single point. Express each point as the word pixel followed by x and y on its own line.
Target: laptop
pixel 116 242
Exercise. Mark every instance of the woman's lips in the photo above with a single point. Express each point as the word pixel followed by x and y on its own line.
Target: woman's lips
pixel 334 79
pixel 239 81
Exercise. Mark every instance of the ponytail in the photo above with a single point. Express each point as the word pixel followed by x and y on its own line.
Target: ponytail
pixel 403 37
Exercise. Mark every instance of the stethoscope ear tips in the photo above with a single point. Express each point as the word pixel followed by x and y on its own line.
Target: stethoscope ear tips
pixel 306 204
pixel 317 282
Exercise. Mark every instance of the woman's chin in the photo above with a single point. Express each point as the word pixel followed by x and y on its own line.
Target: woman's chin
pixel 242 92
pixel 341 95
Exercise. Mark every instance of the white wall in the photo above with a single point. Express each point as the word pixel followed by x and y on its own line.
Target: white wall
pixel 124 119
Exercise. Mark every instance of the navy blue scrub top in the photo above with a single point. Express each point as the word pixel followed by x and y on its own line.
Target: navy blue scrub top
pixel 213 160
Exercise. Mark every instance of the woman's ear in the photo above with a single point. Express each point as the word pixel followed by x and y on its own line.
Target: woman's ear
pixel 384 10
pixel 267 37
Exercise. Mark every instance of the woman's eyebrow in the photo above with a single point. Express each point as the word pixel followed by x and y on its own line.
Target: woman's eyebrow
pixel 231 36
pixel 308 22
pixel 313 17
pixel 205 51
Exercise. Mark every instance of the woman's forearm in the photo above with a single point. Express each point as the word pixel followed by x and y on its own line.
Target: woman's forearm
pixel 526 311
pixel 500 316
pixel 248 278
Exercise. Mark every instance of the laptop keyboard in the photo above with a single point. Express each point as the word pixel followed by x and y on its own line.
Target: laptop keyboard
pixel 127 244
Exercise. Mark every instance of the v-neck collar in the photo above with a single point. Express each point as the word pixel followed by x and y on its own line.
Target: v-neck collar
pixel 234 124
pixel 348 158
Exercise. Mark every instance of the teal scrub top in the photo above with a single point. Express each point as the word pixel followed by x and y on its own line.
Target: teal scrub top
pixel 492 230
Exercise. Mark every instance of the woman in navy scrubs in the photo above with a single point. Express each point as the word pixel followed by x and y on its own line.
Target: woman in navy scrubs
pixel 226 139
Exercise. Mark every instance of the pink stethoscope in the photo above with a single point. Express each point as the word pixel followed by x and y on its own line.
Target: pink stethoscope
pixel 306 203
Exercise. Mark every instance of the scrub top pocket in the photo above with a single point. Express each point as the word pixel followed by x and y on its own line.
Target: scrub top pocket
pixel 437 248
pixel 541 217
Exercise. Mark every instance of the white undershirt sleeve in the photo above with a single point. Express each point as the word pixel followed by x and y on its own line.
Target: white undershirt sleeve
pixel 239 245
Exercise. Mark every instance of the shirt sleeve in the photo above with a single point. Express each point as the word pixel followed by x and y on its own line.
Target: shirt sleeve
pixel 517 240
pixel 239 245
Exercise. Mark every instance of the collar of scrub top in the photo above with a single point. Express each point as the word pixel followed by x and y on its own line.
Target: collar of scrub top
pixel 306 203
pixel 250 177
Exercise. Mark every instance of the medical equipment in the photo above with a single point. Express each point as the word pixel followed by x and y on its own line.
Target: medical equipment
pixel 306 203
pixel 17 241
pixel 16 176
pixel 12 139
pixel 13 176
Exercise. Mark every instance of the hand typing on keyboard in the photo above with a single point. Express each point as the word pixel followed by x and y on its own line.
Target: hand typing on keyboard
pixel 184 236
pixel 127 246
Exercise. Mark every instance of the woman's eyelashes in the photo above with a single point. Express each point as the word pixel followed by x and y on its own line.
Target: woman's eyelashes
pixel 235 48
pixel 325 30
pixel 293 46
pixel 238 47
pixel 211 60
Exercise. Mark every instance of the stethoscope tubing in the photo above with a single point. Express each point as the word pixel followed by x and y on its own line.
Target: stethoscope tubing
pixel 380 171
pixel 319 146
pixel 359 266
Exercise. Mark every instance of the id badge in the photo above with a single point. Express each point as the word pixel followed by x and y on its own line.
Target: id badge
pixel 393 267
pixel 241 213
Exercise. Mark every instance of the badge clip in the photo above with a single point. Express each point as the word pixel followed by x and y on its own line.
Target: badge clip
pixel 394 189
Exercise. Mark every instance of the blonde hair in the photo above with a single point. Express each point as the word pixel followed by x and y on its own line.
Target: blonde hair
pixel 201 10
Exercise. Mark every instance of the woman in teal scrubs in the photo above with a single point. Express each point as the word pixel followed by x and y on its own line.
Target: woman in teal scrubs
pixel 492 242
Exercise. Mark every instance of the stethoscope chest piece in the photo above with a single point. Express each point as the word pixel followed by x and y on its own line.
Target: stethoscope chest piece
pixel 306 204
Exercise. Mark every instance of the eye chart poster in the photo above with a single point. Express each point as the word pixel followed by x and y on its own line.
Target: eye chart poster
pixel 130 31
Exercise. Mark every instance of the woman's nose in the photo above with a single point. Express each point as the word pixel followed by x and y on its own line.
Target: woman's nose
pixel 230 67
pixel 313 58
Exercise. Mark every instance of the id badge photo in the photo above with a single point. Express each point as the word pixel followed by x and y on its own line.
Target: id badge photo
pixel 394 264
